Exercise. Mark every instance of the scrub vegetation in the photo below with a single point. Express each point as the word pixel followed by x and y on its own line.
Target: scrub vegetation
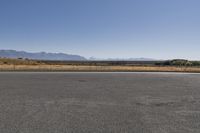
pixel 20 64
pixel 179 62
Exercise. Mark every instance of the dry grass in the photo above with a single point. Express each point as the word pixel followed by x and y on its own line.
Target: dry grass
pixel 8 61
pixel 6 67
pixel 7 64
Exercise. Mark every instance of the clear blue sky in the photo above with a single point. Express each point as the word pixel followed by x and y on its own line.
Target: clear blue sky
pixel 161 29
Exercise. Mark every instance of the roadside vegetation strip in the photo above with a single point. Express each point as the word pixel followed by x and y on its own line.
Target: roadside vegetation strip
pixel 97 68
pixel 178 65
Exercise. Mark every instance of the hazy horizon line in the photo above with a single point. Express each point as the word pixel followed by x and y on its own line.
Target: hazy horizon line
pixel 97 58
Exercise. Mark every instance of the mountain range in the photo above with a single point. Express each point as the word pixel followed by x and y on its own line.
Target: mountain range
pixel 39 55
pixel 60 56
pixel 121 59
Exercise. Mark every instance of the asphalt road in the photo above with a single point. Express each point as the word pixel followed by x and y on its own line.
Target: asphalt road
pixel 99 103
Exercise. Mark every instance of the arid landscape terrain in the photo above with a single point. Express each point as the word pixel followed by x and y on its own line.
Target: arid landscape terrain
pixel 99 66
pixel 7 64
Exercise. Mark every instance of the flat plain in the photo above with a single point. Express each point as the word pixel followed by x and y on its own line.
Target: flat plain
pixel 84 102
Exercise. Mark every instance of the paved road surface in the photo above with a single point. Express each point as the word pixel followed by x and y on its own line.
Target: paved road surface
pixel 99 103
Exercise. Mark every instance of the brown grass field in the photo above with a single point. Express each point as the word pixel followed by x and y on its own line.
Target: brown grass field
pixel 98 68
pixel 7 64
